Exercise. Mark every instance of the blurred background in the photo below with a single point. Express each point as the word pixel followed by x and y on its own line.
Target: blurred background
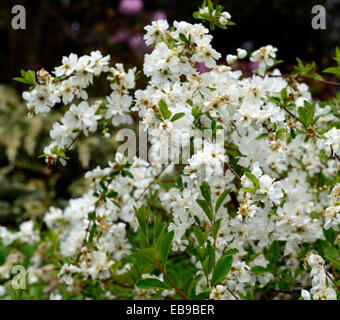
pixel 59 27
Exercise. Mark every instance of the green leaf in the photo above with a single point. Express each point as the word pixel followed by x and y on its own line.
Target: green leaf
pixel 206 208
pixel 253 179
pixel 127 173
pixel 217 227
pixel 250 295
pixel 151 283
pixel 262 136
pixel 209 259
pixel 183 38
pixel 195 112
pixel 30 76
pixel 196 15
pixel 210 6
pixel 173 277
pixel 284 94
pixel 206 192
pixel 303 116
pixel 335 70
pixel 310 112
pixel 148 255
pixel 192 285
pixel 177 116
pixel 158 229
pixel 26 77
pixel 330 235
pixel 166 113
pixel 331 252
pixel 92 232
pixel 222 268
pixel 166 245
pixel 22 80
pixel 280 133
pixel 220 199
pixel 275 100
pixel 273 252
pixel 205 288
pixel 333 255
pixel 142 218
pixel 230 252
pixel 258 269
pixel 199 234
pixel 112 194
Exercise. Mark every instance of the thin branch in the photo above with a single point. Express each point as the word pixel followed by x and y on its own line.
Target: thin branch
pixel 153 181
pixel 135 153
pixel 171 282
pixel 331 278
pixel 333 83
pixel 290 113
pixel 233 294
pixel 73 141
pixel 233 171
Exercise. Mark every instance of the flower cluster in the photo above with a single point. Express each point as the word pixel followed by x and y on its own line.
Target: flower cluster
pixel 70 81
pixel 259 158
pixel 320 289
pixel 332 213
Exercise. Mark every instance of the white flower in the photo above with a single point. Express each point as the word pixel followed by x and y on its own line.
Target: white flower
pixel 224 17
pixel 265 56
pixel 156 31
pixel 2 291
pixel 119 108
pixel 68 66
pixel 305 294
pixel 335 195
pixel 241 53
pixel 98 63
pixel 231 59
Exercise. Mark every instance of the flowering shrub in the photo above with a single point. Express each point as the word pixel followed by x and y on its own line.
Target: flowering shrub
pixel 238 197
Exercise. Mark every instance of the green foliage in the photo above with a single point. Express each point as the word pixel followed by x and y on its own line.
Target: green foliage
pixel 212 16
pixel 254 180
pixel 27 77
pixel 166 113
pixel 307 70
pixel 222 268
pixel 221 199
pixel 177 116
pixel 335 70
pixel 151 283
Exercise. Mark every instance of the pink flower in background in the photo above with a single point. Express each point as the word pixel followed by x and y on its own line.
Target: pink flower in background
pixel 137 43
pixel 159 15
pixel 201 67
pixel 130 7
pixel 121 35
pixel 251 66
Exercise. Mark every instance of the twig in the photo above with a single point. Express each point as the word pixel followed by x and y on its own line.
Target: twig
pixel 333 83
pixel 331 278
pixel 233 294
pixel 290 113
pixel 153 181
pixel 73 141
pixel 171 282
pixel 135 153
pixel 233 171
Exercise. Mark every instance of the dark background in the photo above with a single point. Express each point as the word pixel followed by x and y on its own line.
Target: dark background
pixel 58 27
